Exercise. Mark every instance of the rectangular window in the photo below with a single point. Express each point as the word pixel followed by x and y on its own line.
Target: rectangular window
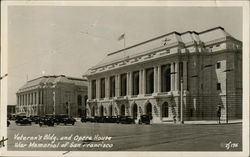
pixel 218 86
pixel 123 83
pixel 218 65
pixel 102 87
pixel 135 83
pixel 93 89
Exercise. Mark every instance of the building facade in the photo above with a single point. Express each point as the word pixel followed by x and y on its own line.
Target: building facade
pixel 175 75
pixel 53 95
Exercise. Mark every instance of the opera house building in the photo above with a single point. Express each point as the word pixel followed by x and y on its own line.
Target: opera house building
pixel 171 77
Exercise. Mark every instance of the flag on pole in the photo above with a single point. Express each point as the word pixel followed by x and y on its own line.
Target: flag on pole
pixel 122 36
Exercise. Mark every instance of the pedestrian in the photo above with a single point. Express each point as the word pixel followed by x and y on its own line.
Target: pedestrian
pixel 218 111
pixel 174 119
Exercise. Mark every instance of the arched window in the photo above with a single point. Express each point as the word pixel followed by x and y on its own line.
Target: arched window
pixel 93 111
pixel 135 111
pixel 101 111
pixel 165 109
pixel 149 110
pixel 111 110
pixel 79 100
pixel 123 110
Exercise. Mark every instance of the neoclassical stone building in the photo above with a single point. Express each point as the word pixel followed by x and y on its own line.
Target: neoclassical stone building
pixel 53 95
pixel 146 78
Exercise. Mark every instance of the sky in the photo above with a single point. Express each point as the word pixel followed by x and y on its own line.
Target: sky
pixel 68 40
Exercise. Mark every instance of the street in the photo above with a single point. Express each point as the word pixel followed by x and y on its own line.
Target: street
pixel 123 137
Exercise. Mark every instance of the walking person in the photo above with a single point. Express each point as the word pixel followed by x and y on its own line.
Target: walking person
pixel 218 110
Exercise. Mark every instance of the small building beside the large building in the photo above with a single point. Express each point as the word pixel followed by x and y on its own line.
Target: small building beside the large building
pixel 53 95
pixel 146 78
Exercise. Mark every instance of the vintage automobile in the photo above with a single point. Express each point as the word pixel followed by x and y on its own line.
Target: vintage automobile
pixel 125 120
pixel 46 121
pixel 35 119
pixel 110 119
pixel 23 120
pixel 87 119
pixel 99 119
pixel 144 119
pixel 64 119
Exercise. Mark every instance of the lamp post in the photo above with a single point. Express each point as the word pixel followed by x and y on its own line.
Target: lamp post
pixel 227 70
pixel 182 114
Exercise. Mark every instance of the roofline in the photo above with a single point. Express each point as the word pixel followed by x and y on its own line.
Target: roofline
pixel 174 32
pixel 55 76
pixel 219 27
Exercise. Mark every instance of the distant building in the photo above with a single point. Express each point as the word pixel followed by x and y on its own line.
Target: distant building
pixel 146 78
pixel 11 109
pixel 53 95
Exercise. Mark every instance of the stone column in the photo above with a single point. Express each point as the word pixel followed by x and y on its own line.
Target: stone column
pixel 176 76
pixel 143 81
pixel 185 75
pixel 172 77
pixel 128 82
pixel 107 86
pixel 34 98
pixel 159 79
pixel 37 97
pixel 140 81
pixel 90 89
pixel 117 83
pixel 155 79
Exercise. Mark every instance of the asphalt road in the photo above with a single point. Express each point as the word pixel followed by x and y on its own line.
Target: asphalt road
pixel 124 137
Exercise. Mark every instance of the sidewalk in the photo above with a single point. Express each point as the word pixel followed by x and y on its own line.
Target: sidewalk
pixel 211 122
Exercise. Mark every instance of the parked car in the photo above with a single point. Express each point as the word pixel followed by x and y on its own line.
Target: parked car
pixel 69 120
pixel 23 121
pixel 110 119
pixel 87 119
pixel 126 120
pixel 144 119
pixel 65 119
pixel 99 119
pixel 46 121
pixel 35 119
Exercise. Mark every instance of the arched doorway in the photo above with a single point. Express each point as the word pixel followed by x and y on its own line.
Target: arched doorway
pixel 79 102
pixel 164 109
pixel 85 106
pixel 101 111
pixel 134 111
pixel 111 110
pixel 93 111
pixel 123 110
pixel 149 110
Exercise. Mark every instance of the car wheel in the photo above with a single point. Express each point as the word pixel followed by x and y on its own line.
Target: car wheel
pixel 73 123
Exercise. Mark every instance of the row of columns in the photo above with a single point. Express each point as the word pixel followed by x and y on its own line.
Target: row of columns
pixel 174 75
pixel 29 98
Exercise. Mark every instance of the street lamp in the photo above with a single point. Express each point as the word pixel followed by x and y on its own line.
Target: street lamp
pixel 227 70
pixel 182 118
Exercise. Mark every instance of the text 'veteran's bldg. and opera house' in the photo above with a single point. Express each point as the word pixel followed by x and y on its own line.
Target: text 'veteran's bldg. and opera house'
pixel 146 78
